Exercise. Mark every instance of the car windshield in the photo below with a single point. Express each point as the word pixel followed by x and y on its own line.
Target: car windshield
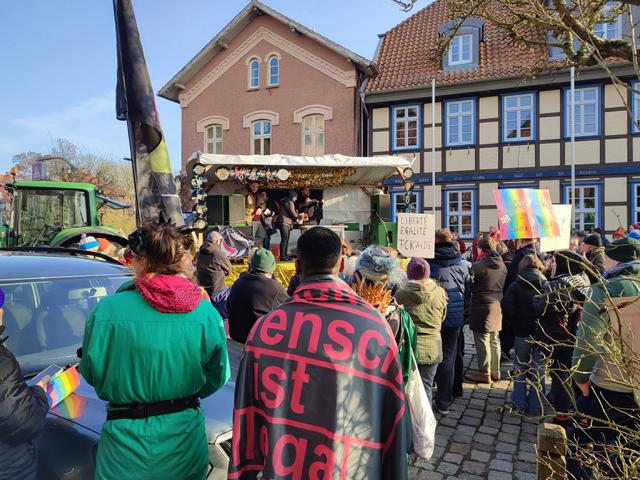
pixel 45 318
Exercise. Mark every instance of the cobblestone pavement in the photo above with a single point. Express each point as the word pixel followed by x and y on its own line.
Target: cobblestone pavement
pixel 475 441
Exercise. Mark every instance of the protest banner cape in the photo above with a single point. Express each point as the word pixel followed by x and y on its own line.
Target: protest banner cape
pixel 525 213
pixel 156 191
pixel 319 392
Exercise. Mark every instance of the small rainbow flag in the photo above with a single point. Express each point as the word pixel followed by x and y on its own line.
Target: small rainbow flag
pixel 62 385
pixel 525 213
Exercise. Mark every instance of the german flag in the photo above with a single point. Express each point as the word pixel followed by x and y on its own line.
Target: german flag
pixel 156 192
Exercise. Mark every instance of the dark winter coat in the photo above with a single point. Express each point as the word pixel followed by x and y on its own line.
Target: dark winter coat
pixel 596 258
pixel 507 258
pixel 489 274
pixel 23 413
pixel 451 272
pixel 251 296
pixel 212 266
pixel 518 302
pixel 287 214
pixel 512 269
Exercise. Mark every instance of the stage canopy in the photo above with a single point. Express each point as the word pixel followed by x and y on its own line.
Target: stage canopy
pixel 362 171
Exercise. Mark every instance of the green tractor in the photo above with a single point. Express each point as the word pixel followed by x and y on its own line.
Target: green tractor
pixel 55 214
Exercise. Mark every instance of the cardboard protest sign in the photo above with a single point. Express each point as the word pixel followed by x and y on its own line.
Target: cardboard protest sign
pixel 525 213
pixel 625 329
pixel 416 232
pixel 561 242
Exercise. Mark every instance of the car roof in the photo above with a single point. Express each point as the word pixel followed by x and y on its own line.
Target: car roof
pixel 37 265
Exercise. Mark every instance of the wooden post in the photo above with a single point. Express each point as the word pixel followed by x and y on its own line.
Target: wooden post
pixel 552 448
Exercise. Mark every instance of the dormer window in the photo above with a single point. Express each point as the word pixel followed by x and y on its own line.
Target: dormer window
pixel 464 39
pixel 459 52
pixel 606 30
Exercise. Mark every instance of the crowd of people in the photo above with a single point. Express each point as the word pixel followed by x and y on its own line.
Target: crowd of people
pixel 320 387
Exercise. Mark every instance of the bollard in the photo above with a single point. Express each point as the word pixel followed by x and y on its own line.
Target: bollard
pixel 552 448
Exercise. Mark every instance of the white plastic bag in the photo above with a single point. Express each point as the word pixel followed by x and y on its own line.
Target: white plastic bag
pixel 423 422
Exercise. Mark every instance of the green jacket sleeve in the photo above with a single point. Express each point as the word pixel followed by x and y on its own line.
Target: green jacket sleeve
pixel 590 338
pixel 85 368
pixel 217 367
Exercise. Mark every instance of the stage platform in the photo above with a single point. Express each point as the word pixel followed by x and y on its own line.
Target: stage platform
pixel 284 271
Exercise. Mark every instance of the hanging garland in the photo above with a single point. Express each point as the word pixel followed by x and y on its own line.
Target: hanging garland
pixel 316 178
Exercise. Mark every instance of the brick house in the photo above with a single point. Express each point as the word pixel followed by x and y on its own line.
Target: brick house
pixel 496 130
pixel 267 84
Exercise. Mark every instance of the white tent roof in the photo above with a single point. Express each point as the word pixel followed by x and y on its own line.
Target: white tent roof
pixel 370 171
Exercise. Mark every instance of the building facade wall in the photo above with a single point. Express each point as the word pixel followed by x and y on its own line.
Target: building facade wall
pixel 608 162
pixel 311 75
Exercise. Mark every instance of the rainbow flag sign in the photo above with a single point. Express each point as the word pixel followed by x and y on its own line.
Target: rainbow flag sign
pixel 525 213
pixel 62 385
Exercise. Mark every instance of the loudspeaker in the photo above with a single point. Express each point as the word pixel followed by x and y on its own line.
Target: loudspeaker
pixel 381 208
pixel 217 209
pixel 237 210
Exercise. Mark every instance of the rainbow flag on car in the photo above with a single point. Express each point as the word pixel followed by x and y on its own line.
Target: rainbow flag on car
pixel 525 213
pixel 62 385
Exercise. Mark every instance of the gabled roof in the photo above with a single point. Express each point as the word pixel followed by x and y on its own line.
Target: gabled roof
pixel 255 8
pixel 407 57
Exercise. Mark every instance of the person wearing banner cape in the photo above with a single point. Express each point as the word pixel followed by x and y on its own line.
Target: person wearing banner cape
pixel 319 392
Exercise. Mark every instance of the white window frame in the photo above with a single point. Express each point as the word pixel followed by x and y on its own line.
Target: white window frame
pixel 261 137
pixel 458 118
pixel 459 213
pixel 315 132
pixel 517 110
pixel 580 105
pixel 270 67
pixel 581 210
pixel 603 30
pixel 405 122
pixel 214 140
pixel 458 47
pixel 252 62
pixel 635 106
pixel 635 209
pixel 398 195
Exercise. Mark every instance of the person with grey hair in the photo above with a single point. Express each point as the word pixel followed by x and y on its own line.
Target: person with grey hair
pixel 212 264
pixel 376 279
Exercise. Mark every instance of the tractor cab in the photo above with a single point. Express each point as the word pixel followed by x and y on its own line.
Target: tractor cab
pixel 55 214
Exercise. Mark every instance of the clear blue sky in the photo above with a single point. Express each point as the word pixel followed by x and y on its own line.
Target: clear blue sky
pixel 58 64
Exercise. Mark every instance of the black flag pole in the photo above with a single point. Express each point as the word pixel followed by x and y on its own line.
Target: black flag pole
pixel 134 171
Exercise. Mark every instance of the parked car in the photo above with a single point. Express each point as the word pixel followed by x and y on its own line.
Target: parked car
pixel 49 295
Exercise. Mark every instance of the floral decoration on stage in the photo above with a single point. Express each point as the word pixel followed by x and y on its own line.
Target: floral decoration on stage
pixel 316 178
pixel 252 174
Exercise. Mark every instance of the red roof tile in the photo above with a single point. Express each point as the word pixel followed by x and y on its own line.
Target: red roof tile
pixel 407 57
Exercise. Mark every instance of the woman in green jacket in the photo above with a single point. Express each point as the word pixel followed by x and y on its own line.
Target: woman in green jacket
pixel 426 302
pixel 158 344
